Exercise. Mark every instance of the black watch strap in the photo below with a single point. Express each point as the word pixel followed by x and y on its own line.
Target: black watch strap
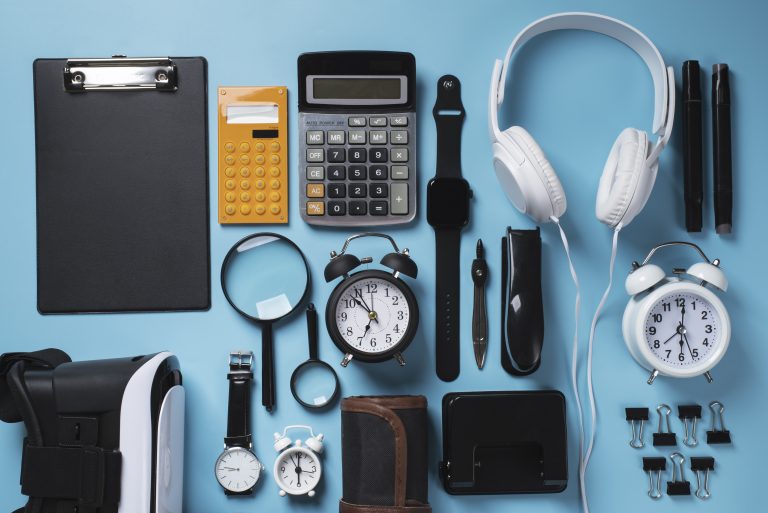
pixel 449 118
pixel 240 377
pixel 448 242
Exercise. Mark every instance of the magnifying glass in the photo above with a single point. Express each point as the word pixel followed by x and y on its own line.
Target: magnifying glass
pixel 265 277
pixel 314 383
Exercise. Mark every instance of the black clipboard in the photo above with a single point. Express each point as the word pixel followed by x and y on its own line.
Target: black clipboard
pixel 122 185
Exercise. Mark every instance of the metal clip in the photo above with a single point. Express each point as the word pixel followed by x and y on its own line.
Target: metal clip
pixel 699 466
pixel 637 416
pixel 678 485
pixel 120 73
pixel 240 360
pixel 662 438
pixel 654 467
pixel 689 414
pixel 722 435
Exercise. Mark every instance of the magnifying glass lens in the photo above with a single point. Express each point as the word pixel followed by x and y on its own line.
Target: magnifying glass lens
pixel 265 277
pixel 314 384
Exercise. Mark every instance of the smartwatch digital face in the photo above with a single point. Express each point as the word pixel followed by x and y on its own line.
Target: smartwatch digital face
pixel 448 202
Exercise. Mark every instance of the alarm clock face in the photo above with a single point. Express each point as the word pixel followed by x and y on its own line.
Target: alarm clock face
pixel 237 469
pixel 372 315
pixel 683 329
pixel 297 471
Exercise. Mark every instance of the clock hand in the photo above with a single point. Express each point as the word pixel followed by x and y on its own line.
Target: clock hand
pixel 364 306
pixel 687 344
pixel 670 338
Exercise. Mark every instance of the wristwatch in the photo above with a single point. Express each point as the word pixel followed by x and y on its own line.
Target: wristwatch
pixel 448 196
pixel 237 468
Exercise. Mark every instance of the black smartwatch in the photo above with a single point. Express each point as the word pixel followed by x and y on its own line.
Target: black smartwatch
pixel 237 468
pixel 448 196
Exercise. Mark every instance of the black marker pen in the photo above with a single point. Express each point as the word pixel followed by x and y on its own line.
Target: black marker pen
pixel 693 171
pixel 721 143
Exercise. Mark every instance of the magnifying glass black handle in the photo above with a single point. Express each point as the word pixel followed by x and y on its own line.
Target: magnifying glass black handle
pixel 312 331
pixel 267 368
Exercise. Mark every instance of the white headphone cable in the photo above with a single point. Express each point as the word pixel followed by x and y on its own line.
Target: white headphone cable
pixel 575 359
pixel 592 404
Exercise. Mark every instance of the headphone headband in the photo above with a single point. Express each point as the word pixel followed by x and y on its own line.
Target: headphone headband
pixel 663 77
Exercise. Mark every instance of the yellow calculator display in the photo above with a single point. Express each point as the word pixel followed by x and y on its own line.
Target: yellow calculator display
pixel 253 163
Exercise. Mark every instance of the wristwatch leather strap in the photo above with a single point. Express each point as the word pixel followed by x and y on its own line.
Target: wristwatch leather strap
pixel 239 410
pixel 449 117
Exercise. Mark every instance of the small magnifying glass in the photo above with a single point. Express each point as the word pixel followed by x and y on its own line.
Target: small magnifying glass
pixel 314 383
pixel 265 277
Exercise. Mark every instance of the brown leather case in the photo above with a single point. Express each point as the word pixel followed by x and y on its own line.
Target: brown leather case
pixel 384 455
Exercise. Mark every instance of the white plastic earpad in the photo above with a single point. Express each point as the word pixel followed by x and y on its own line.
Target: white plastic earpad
pixel 544 193
pixel 624 176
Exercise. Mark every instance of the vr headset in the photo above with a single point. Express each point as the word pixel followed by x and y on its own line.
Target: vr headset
pixel 104 436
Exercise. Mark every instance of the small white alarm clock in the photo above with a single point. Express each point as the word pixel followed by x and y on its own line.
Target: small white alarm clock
pixel 297 469
pixel 675 325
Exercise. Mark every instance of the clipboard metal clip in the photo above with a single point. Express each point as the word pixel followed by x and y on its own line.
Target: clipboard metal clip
pixel 120 73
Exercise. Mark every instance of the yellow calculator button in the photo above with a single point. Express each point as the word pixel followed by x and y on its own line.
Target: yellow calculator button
pixel 315 190
pixel 259 147
pixel 230 196
pixel 229 159
pixel 275 146
pixel 229 147
pixel 260 197
pixel 245 209
pixel 259 171
pixel 244 196
pixel 245 159
pixel 245 147
pixel 274 171
pixel 245 185
pixel 245 172
pixel 275 184
pixel 229 184
pixel 275 209
pixel 259 159
pixel 260 209
pixel 230 172
pixel 274 158
pixel 230 209
pixel 274 197
pixel 315 208
pixel 259 184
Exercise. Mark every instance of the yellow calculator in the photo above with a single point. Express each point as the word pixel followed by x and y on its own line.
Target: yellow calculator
pixel 253 156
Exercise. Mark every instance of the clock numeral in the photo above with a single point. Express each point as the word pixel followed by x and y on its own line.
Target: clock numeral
pixel 695 353
pixel 680 302
pixel 652 330
pixel 349 331
pixel 693 304
pixel 669 352
pixel 656 344
pixel 706 342
pixel 344 316
pixel 371 288
pixel 704 314
pixel 681 357
pixel 396 329
pixel 373 342
pixel 388 338
pixel 708 328
pixel 395 300
pixel 348 303
pixel 657 317
pixel 314 468
pixel 386 291
pixel 667 307
pixel 400 315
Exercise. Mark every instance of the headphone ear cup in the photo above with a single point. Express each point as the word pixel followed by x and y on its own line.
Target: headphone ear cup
pixel 553 189
pixel 627 180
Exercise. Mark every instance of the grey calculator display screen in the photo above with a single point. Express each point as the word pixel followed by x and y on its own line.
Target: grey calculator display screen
pixel 357 90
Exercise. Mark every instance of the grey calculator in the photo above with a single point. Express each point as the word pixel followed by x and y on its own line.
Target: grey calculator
pixel 357 138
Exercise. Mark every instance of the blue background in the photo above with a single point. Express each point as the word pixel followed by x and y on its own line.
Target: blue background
pixel 573 91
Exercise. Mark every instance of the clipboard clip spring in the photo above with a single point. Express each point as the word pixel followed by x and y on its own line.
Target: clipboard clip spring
pixel 120 74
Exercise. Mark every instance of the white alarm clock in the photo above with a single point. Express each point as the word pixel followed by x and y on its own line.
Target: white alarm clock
pixel 297 469
pixel 675 325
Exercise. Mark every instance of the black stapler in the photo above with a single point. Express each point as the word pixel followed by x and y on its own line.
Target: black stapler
pixel 522 311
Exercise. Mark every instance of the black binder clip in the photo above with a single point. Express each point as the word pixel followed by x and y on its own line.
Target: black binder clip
pixel 689 414
pixel 637 416
pixel 702 466
pixel 678 485
pixel 654 467
pixel 662 438
pixel 722 435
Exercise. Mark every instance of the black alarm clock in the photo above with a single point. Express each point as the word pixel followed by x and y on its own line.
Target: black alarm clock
pixel 371 315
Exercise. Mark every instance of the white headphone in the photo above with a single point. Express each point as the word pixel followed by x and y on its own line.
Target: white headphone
pixel 527 177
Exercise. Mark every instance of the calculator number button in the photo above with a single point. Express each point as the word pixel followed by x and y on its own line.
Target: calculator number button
pixel 358 172
pixel 337 173
pixel 336 155
pixel 357 190
pixel 337 190
pixel 337 208
pixel 379 190
pixel 378 155
pixel 378 172
pixel 357 155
